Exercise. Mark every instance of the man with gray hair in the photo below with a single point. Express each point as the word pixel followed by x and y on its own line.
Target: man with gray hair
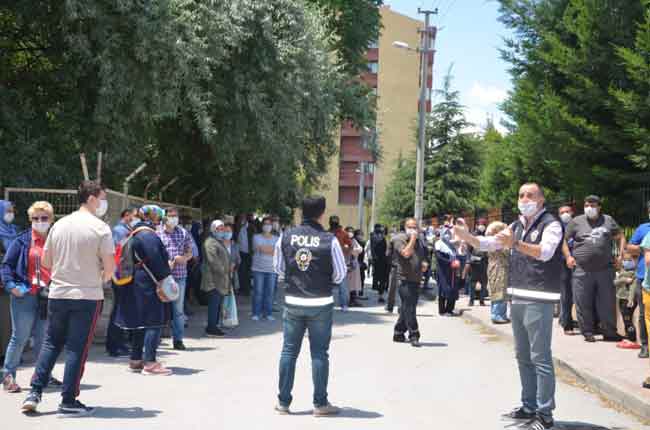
pixel 534 285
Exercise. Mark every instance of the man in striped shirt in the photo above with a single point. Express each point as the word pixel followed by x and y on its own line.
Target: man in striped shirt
pixel 312 263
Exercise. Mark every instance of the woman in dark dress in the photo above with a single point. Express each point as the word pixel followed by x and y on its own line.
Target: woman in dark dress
pixel 447 262
pixel 139 308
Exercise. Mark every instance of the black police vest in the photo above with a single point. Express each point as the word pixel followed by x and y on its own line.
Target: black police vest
pixel 531 279
pixel 307 252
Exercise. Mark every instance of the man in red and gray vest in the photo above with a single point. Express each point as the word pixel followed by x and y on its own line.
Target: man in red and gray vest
pixel 534 284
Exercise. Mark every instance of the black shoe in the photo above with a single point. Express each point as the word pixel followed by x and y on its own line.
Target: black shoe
pixel 415 342
pixel 55 382
pixel 613 338
pixel 400 338
pixel 483 304
pixel 75 409
pixel 179 345
pixel 519 414
pixel 31 402
pixel 214 332
pixel 470 304
pixel 590 338
pixel 539 423
pixel 646 383
pixel 389 310
pixel 644 352
pixel 381 300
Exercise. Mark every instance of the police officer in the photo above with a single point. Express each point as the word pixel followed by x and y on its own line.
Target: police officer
pixel 312 263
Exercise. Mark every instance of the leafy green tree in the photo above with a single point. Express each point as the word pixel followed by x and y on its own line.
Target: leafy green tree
pixel 576 71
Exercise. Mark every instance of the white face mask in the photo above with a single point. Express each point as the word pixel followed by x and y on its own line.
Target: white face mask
pixel 411 231
pixel 9 217
pixel 102 209
pixel 41 227
pixel 566 217
pixel 591 212
pixel 134 221
pixel 172 221
pixel 527 209
pixel 267 228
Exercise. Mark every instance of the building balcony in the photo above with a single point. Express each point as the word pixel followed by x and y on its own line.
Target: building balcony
pixel 373 54
pixel 370 79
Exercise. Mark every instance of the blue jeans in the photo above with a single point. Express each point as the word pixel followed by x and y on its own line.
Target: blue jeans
pixel 297 319
pixel 532 326
pixel 264 284
pixel 178 315
pixel 342 294
pixel 499 310
pixel 71 324
pixel 24 320
pixel 144 342
pixel 214 309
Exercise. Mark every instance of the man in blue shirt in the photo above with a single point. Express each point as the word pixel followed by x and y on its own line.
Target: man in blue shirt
pixel 634 248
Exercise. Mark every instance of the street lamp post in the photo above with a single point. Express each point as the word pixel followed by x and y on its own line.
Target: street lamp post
pixel 424 51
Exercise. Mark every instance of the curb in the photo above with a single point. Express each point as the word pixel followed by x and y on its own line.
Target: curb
pixel 619 397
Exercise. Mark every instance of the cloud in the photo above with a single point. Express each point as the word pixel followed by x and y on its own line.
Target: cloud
pixel 479 116
pixel 486 95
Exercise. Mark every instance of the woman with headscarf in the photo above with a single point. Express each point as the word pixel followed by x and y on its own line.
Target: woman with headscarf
pixel 140 308
pixel 8 231
pixel 26 281
pixel 216 269
pixel 448 265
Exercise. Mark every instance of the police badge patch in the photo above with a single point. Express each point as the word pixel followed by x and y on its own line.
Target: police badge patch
pixel 303 259
pixel 533 235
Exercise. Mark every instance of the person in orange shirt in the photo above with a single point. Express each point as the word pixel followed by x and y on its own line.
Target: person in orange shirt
pixel 342 293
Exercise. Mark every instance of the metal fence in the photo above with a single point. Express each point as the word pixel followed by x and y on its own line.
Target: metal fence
pixel 65 202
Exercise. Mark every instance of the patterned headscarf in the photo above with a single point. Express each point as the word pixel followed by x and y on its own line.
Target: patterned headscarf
pixel 147 210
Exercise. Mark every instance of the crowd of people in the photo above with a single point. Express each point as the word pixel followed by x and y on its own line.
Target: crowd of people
pixel 542 265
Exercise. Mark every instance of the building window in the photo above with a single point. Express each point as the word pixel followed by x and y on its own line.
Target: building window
pixel 373 45
pixel 373 67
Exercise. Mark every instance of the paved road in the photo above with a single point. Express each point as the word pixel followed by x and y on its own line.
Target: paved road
pixel 461 379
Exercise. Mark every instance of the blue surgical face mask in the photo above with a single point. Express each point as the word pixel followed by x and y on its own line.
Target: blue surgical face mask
pixel 227 235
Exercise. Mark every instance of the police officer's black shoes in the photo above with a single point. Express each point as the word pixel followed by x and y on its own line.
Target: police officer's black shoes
pixel 415 343
pixel 644 352
pixel 400 338
pixel 539 423
pixel 590 338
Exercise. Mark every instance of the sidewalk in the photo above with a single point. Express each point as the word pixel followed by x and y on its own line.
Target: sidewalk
pixel 613 373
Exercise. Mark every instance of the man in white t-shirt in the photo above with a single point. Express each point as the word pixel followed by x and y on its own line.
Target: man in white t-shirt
pixel 80 254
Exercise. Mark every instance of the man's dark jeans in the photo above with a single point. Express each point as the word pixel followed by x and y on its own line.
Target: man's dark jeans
pixel 71 324
pixel 214 309
pixel 297 319
pixel 409 293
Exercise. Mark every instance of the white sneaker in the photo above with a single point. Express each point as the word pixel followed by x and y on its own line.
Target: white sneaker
pixel 255 318
pixel 270 318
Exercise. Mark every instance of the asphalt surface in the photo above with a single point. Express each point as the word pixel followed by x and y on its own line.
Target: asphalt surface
pixel 461 378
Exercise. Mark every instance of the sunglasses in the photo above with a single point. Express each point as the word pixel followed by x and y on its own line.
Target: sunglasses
pixel 43 218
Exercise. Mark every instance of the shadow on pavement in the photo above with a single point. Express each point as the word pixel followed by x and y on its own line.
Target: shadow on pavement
pixel 124 413
pixel 570 425
pixel 346 413
pixel 434 344
pixel 184 371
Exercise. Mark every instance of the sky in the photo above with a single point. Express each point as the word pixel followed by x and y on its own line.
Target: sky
pixel 469 38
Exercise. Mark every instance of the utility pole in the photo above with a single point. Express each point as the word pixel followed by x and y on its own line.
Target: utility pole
pixel 425 49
